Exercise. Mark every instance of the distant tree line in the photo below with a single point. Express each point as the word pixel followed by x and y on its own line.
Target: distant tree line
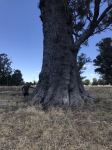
pixel 94 82
pixel 8 76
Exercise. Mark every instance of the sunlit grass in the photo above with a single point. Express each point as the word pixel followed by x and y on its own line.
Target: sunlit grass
pixel 31 128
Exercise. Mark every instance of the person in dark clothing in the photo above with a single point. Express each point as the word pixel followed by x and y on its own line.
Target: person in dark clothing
pixel 25 89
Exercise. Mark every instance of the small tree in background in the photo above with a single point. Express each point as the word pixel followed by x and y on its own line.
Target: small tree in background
pixel 34 82
pixel 103 61
pixel 7 76
pixel 86 82
pixel 17 78
pixel 101 82
pixel 82 60
pixel 95 81
pixel 5 69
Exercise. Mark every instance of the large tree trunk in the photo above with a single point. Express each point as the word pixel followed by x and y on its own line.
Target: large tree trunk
pixel 59 80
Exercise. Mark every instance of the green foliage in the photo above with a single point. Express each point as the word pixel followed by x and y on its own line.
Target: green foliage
pixel 34 82
pixel 7 76
pixel 103 61
pixel 95 81
pixel 86 82
pixel 5 69
pixel 82 60
pixel 101 82
pixel 90 18
pixel 17 78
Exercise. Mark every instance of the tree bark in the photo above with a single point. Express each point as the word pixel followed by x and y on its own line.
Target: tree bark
pixel 59 80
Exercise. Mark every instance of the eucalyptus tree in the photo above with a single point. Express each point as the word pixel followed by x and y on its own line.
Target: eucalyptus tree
pixel 5 69
pixel 103 61
pixel 17 78
pixel 67 25
pixel 82 61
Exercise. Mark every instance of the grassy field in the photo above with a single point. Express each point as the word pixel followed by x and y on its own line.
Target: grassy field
pixel 24 127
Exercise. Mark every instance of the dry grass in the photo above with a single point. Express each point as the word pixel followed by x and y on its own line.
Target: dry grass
pixel 31 128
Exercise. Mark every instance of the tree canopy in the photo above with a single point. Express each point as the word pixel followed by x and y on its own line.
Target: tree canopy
pixel 5 65
pixel 95 81
pixel 82 60
pixel 89 17
pixel 86 82
pixel 17 78
pixel 5 69
pixel 103 61
pixel 7 75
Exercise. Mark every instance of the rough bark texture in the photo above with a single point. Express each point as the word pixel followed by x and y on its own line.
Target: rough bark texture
pixel 59 80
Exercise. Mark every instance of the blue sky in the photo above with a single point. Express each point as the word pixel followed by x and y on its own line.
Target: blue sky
pixel 22 39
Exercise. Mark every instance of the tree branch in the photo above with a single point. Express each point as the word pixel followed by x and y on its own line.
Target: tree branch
pixel 104 14
pixel 96 10
pixel 93 24
pixel 101 30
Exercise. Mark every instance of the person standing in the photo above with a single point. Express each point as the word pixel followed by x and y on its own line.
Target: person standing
pixel 25 89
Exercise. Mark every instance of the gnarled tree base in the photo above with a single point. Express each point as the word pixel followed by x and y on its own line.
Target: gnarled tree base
pixel 79 100
pixel 61 93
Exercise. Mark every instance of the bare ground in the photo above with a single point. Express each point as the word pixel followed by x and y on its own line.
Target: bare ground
pixel 30 128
